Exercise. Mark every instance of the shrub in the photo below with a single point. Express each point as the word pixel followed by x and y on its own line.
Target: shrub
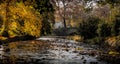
pixel 88 28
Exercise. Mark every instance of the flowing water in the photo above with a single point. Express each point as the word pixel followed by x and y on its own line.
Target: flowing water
pixel 48 51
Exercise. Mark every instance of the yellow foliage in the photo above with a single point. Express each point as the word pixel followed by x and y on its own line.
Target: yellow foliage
pixel 3 38
pixel 113 41
pixel 23 19
pixel 74 23
pixel 2 16
pixel 75 38
pixel 113 53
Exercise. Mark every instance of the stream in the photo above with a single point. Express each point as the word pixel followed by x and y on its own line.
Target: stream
pixel 49 51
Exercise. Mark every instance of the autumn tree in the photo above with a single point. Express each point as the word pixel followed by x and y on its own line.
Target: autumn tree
pixel 19 19
pixel 25 17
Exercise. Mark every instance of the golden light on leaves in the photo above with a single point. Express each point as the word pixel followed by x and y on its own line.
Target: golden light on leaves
pixel 21 19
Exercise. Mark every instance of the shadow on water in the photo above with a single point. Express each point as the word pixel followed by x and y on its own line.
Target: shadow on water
pixel 21 51
pixel 17 38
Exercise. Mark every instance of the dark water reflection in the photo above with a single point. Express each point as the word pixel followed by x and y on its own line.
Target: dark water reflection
pixel 39 52
pixel 22 51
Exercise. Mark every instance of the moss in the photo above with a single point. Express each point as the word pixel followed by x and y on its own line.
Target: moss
pixel 113 53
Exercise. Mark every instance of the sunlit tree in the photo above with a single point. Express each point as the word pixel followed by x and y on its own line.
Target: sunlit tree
pixel 19 19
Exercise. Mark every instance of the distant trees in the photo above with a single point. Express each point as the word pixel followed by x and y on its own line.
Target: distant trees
pixel 105 22
pixel 60 7
pixel 71 10
pixel 66 10
pixel 95 18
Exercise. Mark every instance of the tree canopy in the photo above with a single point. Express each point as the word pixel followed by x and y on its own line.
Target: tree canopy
pixel 23 17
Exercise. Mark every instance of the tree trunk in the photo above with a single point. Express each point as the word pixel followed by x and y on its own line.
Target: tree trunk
pixel 6 22
pixel 64 22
